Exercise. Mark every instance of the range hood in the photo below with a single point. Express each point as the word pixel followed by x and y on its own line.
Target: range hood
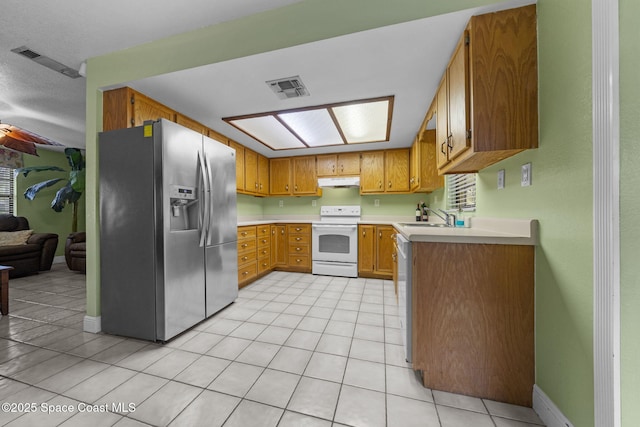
pixel 342 181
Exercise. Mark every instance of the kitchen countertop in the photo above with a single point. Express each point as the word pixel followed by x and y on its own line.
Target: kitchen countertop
pixel 498 231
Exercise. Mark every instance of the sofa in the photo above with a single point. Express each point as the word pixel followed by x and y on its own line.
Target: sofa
pixel 27 252
pixel 75 251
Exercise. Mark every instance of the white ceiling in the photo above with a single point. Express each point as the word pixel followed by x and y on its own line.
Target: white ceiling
pixel 405 60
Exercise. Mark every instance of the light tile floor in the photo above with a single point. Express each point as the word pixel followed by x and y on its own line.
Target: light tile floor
pixel 293 350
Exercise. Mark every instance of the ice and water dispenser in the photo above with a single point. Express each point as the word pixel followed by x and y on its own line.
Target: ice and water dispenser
pixel 183 202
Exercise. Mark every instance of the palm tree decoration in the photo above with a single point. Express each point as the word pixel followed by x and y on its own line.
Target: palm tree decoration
pixel 70 193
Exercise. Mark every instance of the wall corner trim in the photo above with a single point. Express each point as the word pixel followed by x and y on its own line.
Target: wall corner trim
pixel 92 324
pixel 547 410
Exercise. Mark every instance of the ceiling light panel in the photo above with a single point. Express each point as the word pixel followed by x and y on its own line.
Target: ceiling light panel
pixel 269 131
pixel 365 122
pixel 315 127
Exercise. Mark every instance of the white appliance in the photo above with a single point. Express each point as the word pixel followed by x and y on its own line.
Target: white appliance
pixel 168 246
pixel 404 292
pixel 334 241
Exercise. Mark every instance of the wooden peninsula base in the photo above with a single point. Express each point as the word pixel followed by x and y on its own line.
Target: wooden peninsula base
pixel 473 319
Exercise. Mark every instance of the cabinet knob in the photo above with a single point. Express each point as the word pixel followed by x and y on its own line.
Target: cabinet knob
pixel 341 168
pixel 264 264
pixel 389 184
pixel 244 258
pixel 260 187
pixel 298 239
pixel 273 232
pixel 286 187
pixel 244 233
pixel 379 184
pixel 298 249
pixel 298 229
pixel 298 260
pixel 244 245
pixel 282 231
pixel 333 168
pixel 256 185
pixel 295 187
pixel 380 235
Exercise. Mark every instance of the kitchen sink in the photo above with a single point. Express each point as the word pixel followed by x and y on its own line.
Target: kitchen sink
pixel 423 224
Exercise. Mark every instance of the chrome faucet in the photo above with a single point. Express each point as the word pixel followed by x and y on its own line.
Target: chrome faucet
pixel 448 218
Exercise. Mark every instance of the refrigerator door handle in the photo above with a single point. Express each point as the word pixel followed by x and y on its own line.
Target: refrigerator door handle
pixel 209 200
pixel 204 187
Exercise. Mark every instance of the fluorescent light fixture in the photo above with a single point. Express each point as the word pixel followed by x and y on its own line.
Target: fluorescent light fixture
pixel 353 122
pixel 363 122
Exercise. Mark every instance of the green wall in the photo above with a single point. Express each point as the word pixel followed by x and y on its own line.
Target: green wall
pixel 396 205
pixel 629 208
pixel 561 199
pixel 38 211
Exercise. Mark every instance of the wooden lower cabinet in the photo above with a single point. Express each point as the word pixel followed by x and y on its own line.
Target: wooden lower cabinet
pixel 247 261
pixel 279 246
pixel 299 247
pixel 473 319
pixel 375 251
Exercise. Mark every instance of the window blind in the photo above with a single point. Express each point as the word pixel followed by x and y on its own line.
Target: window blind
pixel 6 191
pixel 461 191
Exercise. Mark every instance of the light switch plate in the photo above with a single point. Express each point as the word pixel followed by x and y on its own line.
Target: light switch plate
pixel 314 203
pixel 500 179
pixel 525 175
pixel 280 203
pixel 376 203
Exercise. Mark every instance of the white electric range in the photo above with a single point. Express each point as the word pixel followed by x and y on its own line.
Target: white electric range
pixel 334 241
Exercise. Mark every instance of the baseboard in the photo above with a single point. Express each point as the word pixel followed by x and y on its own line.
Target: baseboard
pixel 59 259
pixel 92 324
pixel 547 410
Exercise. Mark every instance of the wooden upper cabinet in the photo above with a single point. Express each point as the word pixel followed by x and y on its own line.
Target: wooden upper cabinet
pixel 263 175
pixel 305 179
pixel 280 176
pixel 372 172
pixel 396 171
pixel 191 124
pixel 492 92
pixel 345 164
pixel 385 171
pixel 240 185
pixel 124 108
pixel 250 171
pixel 427 172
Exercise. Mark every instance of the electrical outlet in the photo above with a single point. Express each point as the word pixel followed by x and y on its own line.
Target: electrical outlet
pixel 280 203
pixel 314 203
pixel 376 203
pixel 525 175
pixel 500 179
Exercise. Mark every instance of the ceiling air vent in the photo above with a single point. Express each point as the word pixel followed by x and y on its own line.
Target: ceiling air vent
pixel 290 87
pixel 46 61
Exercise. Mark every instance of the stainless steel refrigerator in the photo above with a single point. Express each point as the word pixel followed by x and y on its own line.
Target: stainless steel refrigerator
pixel 168 240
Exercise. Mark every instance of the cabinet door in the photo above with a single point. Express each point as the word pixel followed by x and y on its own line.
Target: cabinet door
pixel 414 166
pixel 396 170
pixel 250 171
pixel 145 108
pixel 442 124
pixel 326 165
pixel 348 164
pixel 428 177
pixel 366 248
pixel 458 78
pixel 305 179
pixel 372 172
pixel 263 175
pixel 384 250
pixel 239 164
pixel 278 245
pixel 280 176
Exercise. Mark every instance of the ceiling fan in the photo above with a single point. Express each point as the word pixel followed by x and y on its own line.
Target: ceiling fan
pixel 22 140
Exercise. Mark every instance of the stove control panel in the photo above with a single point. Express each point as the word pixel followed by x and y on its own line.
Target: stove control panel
pixel 340 211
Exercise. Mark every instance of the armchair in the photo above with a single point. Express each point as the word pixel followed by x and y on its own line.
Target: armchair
pixel 36 254
pixel 75 251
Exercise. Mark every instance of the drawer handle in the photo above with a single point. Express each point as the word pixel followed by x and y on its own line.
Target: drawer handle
pixel 298 229
pixel 244 245
pixel 245 273
pixel 298 239
pixel 298 249
pixel 389 184
pixel 286 187
pixel 264 240
pixel 264 264
pixel 244 258
pixel 244 233
pixel 298 260
pixel 264 252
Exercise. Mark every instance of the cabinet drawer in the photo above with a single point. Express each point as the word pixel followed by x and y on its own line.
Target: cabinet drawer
pixel 264 241
pixel 246 257
pixel 246 245
pixel 264 264
pixel 247 271
pixel 299 228
pixel 263 230
pixel 262 252
pixel 297 239
pixel 246 232
pixel 298 249
pixel 299 261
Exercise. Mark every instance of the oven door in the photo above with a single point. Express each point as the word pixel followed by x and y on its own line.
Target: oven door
pixel 335 242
